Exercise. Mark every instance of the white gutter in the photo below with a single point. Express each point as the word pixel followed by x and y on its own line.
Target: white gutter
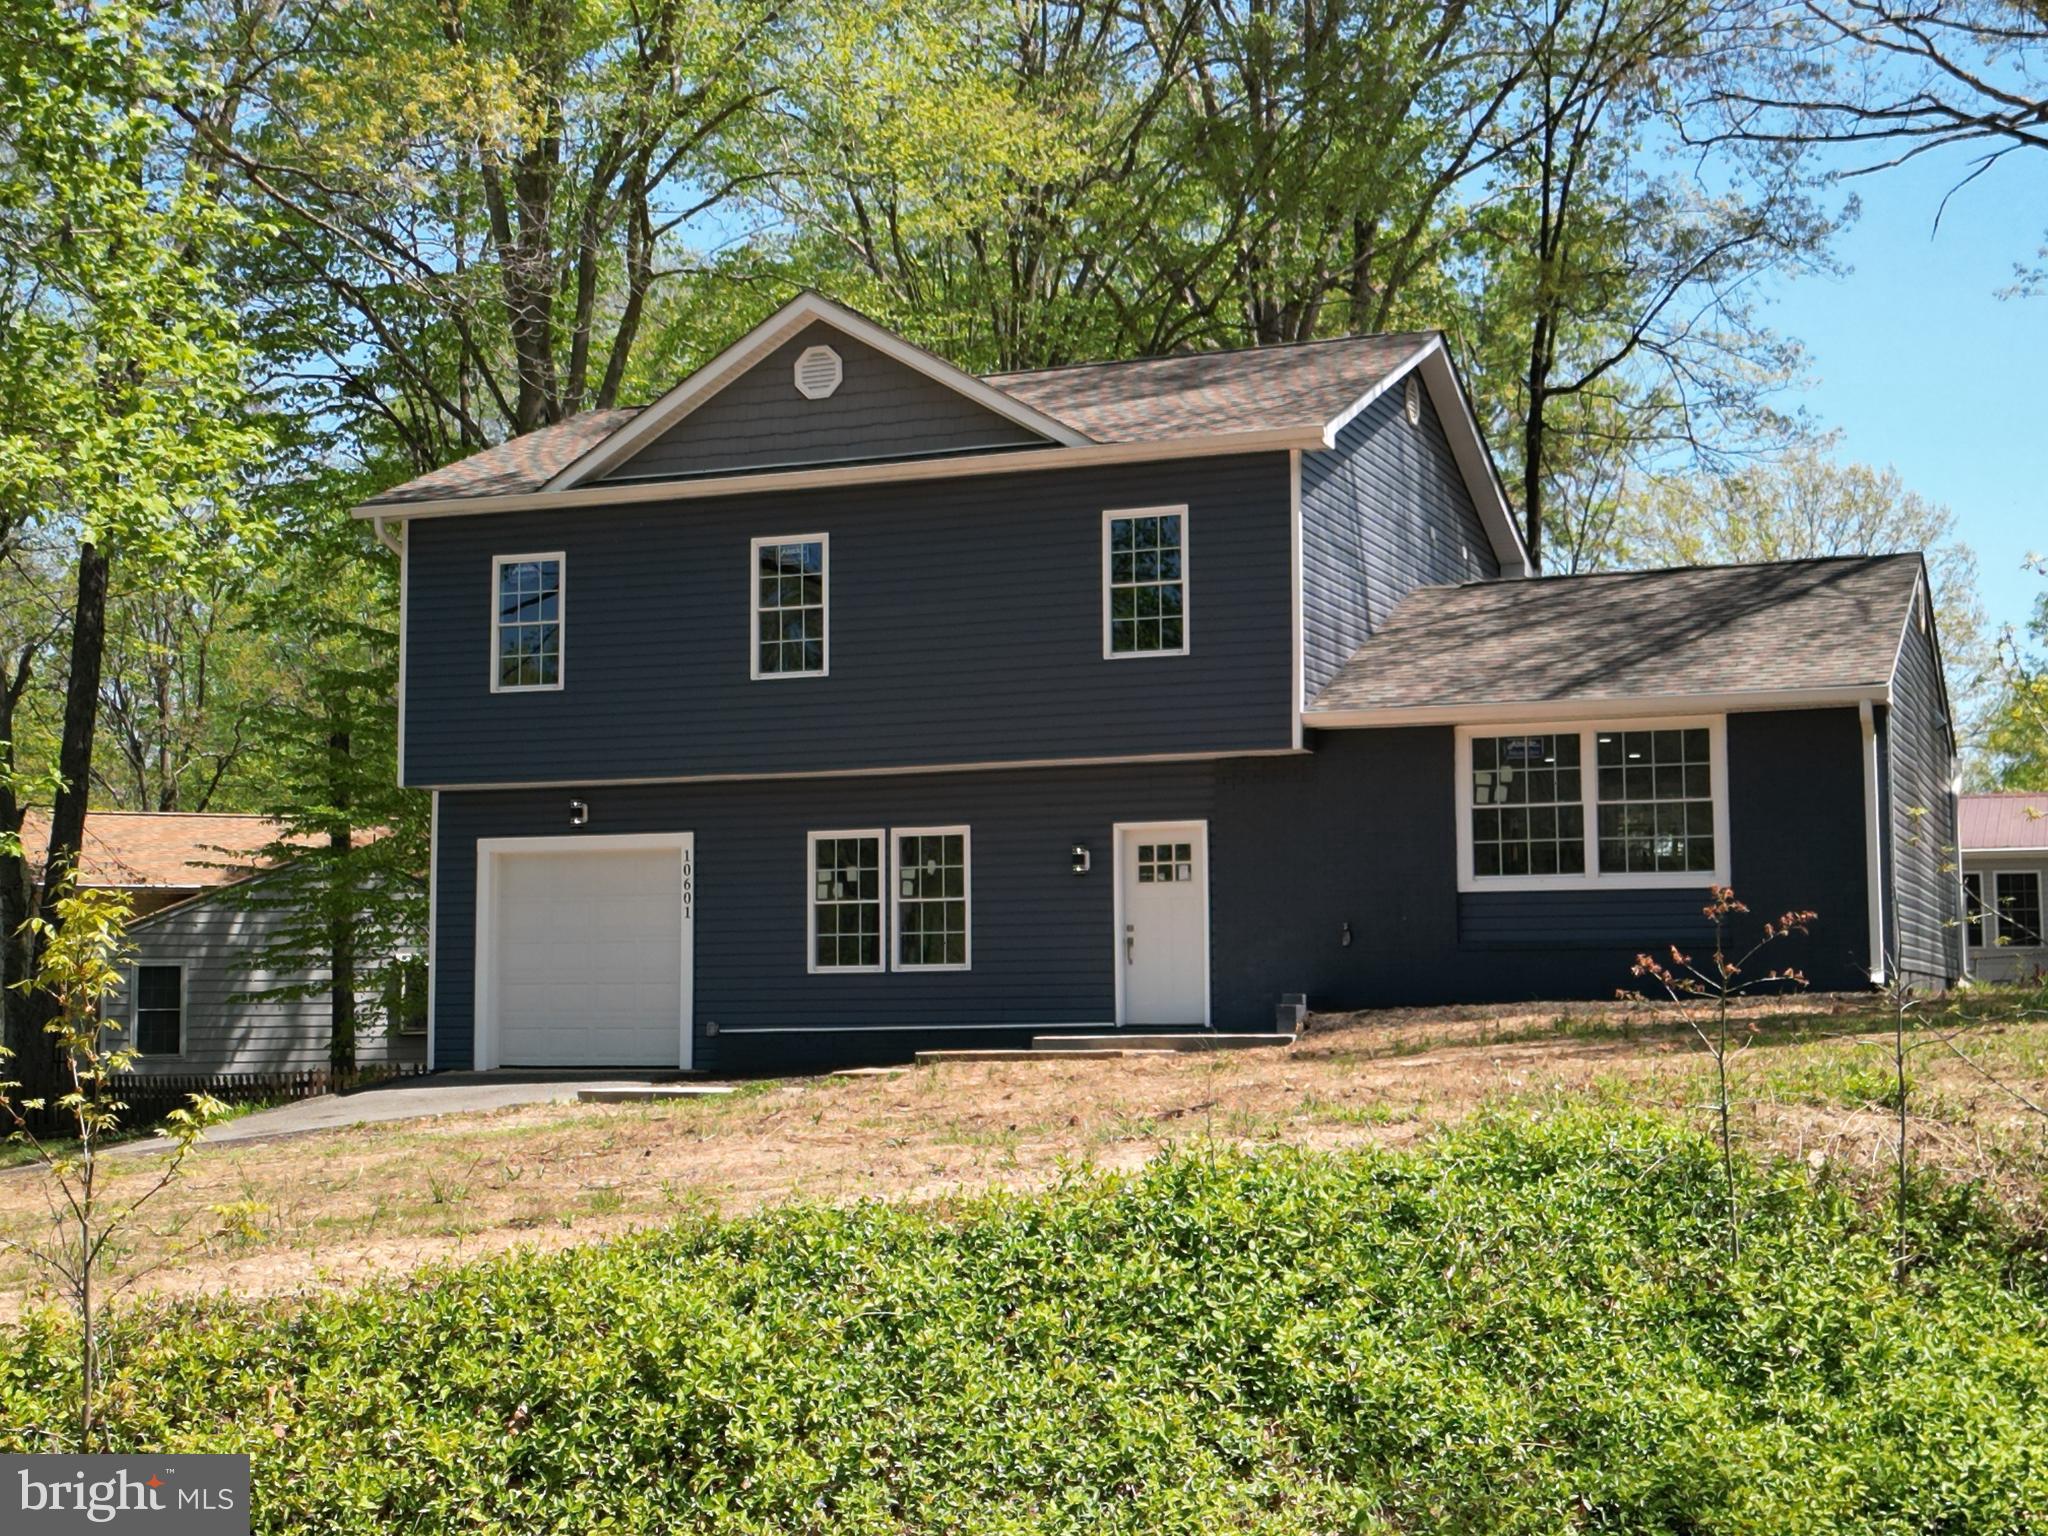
pixel 1518 711
pixel 1873 847
pixel 1016 461
pixel 379 521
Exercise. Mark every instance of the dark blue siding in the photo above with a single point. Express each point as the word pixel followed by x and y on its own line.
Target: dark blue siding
pixel 966 627
pixel 1385 513
pixel 1356 841
pixel 881 410
pixel 1920 826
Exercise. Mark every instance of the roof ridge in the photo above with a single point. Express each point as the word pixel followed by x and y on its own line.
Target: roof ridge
pixel 1713 565
pixel 1175 357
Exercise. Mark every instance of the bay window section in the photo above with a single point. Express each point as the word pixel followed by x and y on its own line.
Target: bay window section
pixel 2016 902
pixel 1548 807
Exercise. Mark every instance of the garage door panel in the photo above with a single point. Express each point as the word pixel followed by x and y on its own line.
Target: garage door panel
pixel 589 957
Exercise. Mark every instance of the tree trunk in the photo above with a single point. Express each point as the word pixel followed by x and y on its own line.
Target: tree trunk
pixel 1533 444
pixel 41 1071
pixel 341 919
pixel 16 892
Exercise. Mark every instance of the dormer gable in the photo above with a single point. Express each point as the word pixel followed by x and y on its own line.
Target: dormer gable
pixel 814 385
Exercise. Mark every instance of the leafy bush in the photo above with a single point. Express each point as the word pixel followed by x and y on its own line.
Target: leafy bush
pixel 1529 1326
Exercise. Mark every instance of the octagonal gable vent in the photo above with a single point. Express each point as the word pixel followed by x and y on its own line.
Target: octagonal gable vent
pixel 818 372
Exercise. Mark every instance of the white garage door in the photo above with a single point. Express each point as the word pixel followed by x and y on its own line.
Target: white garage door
pixel 589 954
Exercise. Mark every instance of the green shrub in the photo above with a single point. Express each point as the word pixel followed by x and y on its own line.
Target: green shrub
pixel 1527 1326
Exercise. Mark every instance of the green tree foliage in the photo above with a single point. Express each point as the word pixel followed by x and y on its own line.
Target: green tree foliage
pixel 1806 503
pixel 2018 736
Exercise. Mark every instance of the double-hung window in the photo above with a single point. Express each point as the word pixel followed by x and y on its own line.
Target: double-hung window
pixel 1145 582
pixel 2016 908
pixel 890 899
pixel 159 1010
pixel 790 605
pixel 1567 807
pixel 1973 909
pixel 526 622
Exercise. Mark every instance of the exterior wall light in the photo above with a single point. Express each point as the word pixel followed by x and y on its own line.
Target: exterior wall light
pixel 1080 858
pixel 579 813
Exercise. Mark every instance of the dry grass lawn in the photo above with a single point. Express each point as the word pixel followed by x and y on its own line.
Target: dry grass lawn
pixel 335 1208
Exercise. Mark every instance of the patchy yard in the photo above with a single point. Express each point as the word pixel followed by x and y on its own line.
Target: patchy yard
pixel 335 1208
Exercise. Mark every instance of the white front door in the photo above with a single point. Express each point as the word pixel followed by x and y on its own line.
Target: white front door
pixel 1163 924
pixel 585 951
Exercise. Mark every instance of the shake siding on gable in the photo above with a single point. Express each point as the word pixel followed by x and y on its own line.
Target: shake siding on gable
pixel 966 628
pixel 1921 820
pixel 1385 513
pixel 881 410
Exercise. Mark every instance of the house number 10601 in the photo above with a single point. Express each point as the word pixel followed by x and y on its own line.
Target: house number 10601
pixel 689 884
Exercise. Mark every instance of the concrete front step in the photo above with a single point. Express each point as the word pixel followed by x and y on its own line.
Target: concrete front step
pixel 1192 1040
pixel 1017 1053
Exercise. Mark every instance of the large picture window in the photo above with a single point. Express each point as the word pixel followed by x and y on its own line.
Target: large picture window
pixel 846 901
pixel 1145 582
pixel 160 1010
pixel 1565 807
pixel 931 899
pixel 790 605
pixel 526 622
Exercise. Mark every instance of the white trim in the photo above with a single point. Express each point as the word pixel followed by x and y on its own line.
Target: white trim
pixel 433 917
pixel 997 766
pixel 136 968
pixel 1994 921
pixel 1007 461
pixel 488 849
pixel 1296 616
pixel 1385 382
pixel 811 966
pixel 743 354
pixel 2039 851
pixel 498 563
pixel 1200 829
pixel 1594 879
pixel 895 876
pixel 1187 583
pixel 1515 711
pixel 1873 843
pixel 824 543
pixel 404 583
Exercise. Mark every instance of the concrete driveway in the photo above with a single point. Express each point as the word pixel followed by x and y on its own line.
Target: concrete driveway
pixel 444 1093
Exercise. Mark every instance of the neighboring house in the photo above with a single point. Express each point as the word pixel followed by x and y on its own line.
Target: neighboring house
pixel 2005 878
pixel 842 703
pixel 181 1001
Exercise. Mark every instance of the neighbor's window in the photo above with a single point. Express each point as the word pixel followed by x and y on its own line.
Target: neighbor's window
pixel 405 995
pixel 1145 584
pixel 527 622
pixel 1656 801
pixel 789 606
pixel 846 901
pixel 1528 815
pixel 1973 909
pixel 2016 895
pixel 1626 805
pixel 931 923
pixel 160 1010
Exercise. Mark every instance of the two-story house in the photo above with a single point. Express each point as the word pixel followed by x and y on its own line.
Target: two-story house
pixel 842 703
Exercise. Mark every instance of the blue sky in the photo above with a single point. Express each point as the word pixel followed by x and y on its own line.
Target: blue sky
pixel 1921 365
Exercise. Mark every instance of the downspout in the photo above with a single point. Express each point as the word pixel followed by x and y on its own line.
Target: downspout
pixel 1873 842
pixel 385 536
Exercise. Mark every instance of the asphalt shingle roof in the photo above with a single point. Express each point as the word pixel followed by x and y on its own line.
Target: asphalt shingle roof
pixel 1634 635
pixel 1253 390
pixel 178 850
pixel 1143 400
pixel 2004 821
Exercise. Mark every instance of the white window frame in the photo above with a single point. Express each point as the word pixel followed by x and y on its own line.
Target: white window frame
pixel 896 898
pixel 498 563
pixel 883 864
pixel 1994 918
pixel 824 543
pixel 135 1006
pixel 1589 791
pixel 1984 919
pixel 1187 583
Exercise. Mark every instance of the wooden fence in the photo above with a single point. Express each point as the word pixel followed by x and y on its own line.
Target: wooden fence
pixel 150 1095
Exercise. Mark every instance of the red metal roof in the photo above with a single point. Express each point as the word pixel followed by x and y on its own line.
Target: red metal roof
pixel 2014 820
